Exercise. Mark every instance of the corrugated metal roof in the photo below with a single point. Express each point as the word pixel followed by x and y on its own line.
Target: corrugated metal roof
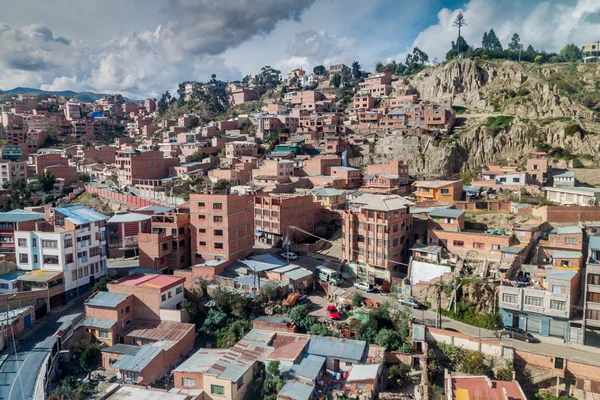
pixel 434 184
pixel 294 390
pixel 567 230
pixel 106 299
pixel 378 202
pixel 285 268
pixel 156 209
pixel 309 367
pixel 334 347
pixel 128 217
pixel 263 262
pixel 201 360
pixel 326 192
pixel 122 349
pixel 273 319
pixel 156 330
pixel 566 254
pixel 594 243
pixel 20 216
pixel 138 361
pixel 297 274
pixel 364 372
pixel 40 276
pixel 238 360
pixel 565 275
pixel 446 213
pixel 511 249
pixel 151 281
pixel 98 323
pixel 78 214
pixel 13 275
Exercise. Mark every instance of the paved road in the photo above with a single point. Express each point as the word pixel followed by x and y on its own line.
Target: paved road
pixel 18 373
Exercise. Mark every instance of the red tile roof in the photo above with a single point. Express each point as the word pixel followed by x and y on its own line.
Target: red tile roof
pixel 482 388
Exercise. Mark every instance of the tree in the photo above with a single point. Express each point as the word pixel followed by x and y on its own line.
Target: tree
pixel 515 43
pixel 273 369
pixel 319 70
pixel 90 358
pixel 82 177
pixel 197 156
pixel 221 184
pixel 163 103
pixel 268 292
pixel 101 284
pixel 46 181
pixel 19 195
pixel 336 80
pixel 475 364
pixel 570 52
pixel 240 307
pixel 357 300
pixel 268 77
pixel 300 317
pixel 457 48
pixel 215 319
pixel 459 22
pixel 389 339
pixel 318 329
pixel 379 67
pixel 490 41
pixel 191 304
pixel 505 372
pixel 356 73
pixel 399 375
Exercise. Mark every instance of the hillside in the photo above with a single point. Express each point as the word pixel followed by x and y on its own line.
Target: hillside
pixel 83 96
pixel 506 109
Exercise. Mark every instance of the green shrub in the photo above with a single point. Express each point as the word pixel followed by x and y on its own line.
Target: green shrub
pixel 499 123
pixel 523 92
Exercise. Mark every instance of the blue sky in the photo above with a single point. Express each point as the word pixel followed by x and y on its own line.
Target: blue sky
pixel 142 47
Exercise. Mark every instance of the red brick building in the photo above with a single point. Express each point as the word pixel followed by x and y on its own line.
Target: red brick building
pixel 168 243
pixel 222 227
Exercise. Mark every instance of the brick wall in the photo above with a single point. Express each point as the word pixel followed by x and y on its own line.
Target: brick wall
pixel 197 376
pixel 573 214
pixel 132 201
pixel 146 301
pixel 182 348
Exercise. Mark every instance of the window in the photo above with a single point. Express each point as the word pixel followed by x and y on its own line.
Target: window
pixel 127 309
pixel 201 204
pixel 35 259
pixel 103 334
pixel 49 244
pixel 68 258
pixel 593 279
pixel 509 298
pixel 23 258
pixel 495 247
pixel 502 180
pixel 34 242
pixel 558 305
pixel 534 301
pixel 593 297
pixel 201 216
pixel 516 180
pixel 218 245
pixel 169 294
pixel 445 191
pixel 217 218
pixel 217 206
pixel 478 245
pixel 68 243
pixel 188 382
pixel 202 243
pixel 178 290
pixel 558 289
pixel 565 263
pixel 218 232
pixel 51 260
pixel 569 240
pixel 458 243
pixel 74 275
pixel 95 251
pixel 22 242
pixel 240 382
pixel 163 297
pixel 217 389
pixel 201 230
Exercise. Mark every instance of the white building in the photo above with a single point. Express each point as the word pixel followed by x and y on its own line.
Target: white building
pixel 566 195
pixel 75 245
pixel 13 171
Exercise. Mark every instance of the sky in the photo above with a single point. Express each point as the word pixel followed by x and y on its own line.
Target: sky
pixel 140 48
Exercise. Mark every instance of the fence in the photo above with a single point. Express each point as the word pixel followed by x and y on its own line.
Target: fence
pixel 131 201
pixel 490 348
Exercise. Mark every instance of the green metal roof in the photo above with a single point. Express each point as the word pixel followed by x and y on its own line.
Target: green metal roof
pixel 20 216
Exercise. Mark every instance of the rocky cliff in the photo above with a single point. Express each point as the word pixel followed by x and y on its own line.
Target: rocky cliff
pixel 535 107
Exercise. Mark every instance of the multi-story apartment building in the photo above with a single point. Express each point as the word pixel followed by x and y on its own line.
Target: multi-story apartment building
pixel 276 214
pixel 540 301
pixel 15 220
pixel 75 244
pixel 591 303
pixel 222 227
pixel 168 245
pixel 351 176
pixel 142 166
pixel 72 111
pixel 538 168
pixel 13 171
pixel 375 235
pixel 239 149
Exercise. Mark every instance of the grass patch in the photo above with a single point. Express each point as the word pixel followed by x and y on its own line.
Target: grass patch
pixel 467 314
pixel 499 123
pixel 459 110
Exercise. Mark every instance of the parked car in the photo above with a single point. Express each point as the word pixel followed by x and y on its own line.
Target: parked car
pixel 289 255
pixel 411 303
pixel 333 312
pixel 304 300
pixel 519 334
pixel 366 286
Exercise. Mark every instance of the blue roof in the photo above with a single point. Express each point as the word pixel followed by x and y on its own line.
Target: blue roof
pixel 79 215
pixel 295 390
pixel 279 154
pixel 565 275
pixel 594 243
pixel 20 216
pixel 106 299
pixel 122 349
pixel 12 276
pixel 191 164
pixel 138 361
pixel 566 254
pixel 333 347
pixel 156 209
pixel 567 230
pixel 345 168
pixel 511 249
pixel 141 270
pixel 327 192
pixel 446 213
pixel 263 262
pixel 271 319
pixel 309 367
pixel 128 217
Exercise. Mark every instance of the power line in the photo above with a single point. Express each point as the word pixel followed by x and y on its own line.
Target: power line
pixel 336 244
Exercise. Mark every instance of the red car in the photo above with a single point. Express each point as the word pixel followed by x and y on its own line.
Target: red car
pixel 333 312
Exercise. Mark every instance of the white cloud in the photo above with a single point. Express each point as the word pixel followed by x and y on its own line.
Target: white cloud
pixel 63 83
pixel 547 26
